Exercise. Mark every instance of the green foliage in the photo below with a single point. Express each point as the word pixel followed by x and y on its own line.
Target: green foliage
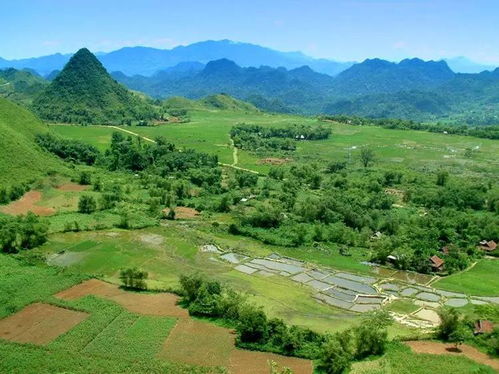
pixel 450 322
pixel 366 157
pixel 87 204
pixel 20 86
pixel 22 232
pixel 84 93
pixel 134 278
pixel 371 336
pixel 258 138
pixel 71 150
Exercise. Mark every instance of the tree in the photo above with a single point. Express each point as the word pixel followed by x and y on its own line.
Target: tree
pixel 87 204
pixel 336 355
pixel 85 178
pixel 252 326
pixel 367 156
pixel 449 322
pixel 459 335
pixel 442 177
pixel 134 278
pixel 371 336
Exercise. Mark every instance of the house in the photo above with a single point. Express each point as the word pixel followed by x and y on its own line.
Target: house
pixel 488 246
pixel 392 259
pixel 445 250
pixel 483 326
pixel 377 235
pixel 436 263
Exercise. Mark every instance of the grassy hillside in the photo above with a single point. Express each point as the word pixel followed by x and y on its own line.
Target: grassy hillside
pixel 21 160
pixel 20 86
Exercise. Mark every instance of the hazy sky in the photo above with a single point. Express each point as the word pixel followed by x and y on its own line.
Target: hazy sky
pixel 337 29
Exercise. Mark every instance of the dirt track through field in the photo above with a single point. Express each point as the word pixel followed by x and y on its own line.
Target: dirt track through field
pixel 39 323
pixel 27 204
pixel 438 348
pixel 155 304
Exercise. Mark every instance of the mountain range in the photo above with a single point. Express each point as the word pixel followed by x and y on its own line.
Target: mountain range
pixel 412 89
pixel 148 61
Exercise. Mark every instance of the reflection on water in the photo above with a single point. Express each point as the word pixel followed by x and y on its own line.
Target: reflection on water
pixel 404 276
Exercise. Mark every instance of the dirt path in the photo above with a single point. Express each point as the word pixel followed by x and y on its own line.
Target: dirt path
pixel 235 159
pixel 234 154
pixel 132 133
pixel 438 348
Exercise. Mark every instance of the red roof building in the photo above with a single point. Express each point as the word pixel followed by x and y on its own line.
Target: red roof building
pixel 488 246
pixel 483 326
pixel 436 263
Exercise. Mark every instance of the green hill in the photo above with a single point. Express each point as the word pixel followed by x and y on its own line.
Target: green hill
pixel 226 102
pixel 85 93
pixel 20 86
pixel 21 160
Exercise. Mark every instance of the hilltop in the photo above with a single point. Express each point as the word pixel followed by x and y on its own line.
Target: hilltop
pixel 21 160
pixel 20 86
pixel 85 93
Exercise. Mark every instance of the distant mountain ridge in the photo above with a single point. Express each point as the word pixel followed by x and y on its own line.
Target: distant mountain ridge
pixel 300 89
pixel 148 61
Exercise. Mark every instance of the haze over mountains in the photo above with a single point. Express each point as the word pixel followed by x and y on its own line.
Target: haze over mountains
pixel 148 61
pixel 270 80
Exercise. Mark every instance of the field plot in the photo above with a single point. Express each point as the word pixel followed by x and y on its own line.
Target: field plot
pixel 480 280
pixel 160 304
pixel 27 203
pixel 198 343
pixel 243 362
pixel 438 348
pixel 39 323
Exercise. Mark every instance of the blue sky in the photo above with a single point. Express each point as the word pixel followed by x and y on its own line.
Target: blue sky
pixel 338 29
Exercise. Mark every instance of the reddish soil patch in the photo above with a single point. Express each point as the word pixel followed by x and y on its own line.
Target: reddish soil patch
pixel 437 348
pixel 242 362
pixel 198 343
pixel 160 304
pixel 72 187
pixel 273 161
pixel 39 324
pixel 27 204
pixel 183 212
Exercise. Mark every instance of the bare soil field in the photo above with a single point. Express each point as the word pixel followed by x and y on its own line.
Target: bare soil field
pixel 161 304
pixel 273 161
pixel 198 343
pixel 27 204
pixel 183 212
pixel 438 348
pixel 39 324
pixel 72 187
pixel 242 362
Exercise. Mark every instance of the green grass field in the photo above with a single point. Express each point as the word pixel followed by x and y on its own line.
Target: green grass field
pixel 208 132
pixel 481 279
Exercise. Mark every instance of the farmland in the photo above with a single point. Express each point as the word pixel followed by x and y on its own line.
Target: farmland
pixel 333 281
pixel 208 132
